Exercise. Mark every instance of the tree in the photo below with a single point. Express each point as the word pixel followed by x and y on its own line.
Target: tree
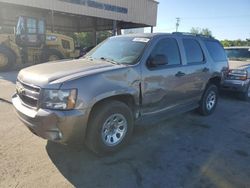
pixel 102 35
pixel 85 39
pixel 228 43
pixel 199 31
pixel 195 30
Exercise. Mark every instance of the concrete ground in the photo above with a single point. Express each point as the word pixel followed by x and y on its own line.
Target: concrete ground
pixel 185 151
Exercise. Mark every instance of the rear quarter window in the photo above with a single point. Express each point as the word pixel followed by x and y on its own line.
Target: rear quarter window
pixel 216 51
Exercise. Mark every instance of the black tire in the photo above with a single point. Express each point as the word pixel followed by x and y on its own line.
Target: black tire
pixel 245 95
pixel 207 107
pixel 10 57
pixel 47 53
pixel 101 113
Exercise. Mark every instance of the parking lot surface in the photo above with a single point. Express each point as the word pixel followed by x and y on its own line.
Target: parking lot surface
pixel 187 150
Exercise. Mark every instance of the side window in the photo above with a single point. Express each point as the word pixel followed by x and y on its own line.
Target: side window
pixel 193 51
pixel 31 26
pixel 65 44
pixel 170 49
pixel 41 27
pixel 20 29
pixel 216 51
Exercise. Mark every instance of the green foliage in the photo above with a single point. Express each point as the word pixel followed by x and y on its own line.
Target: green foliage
pixel 225 43
pixel 203 31
pixel 102 35
pixel 228 43
pixel 85 39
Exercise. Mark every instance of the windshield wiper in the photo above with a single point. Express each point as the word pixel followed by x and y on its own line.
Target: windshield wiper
pixel 109 60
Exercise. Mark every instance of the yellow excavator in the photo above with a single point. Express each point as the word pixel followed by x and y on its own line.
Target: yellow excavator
pixel 31 44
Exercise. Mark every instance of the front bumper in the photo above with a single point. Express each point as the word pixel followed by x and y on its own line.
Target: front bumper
pixel 235 85
pixel 59 126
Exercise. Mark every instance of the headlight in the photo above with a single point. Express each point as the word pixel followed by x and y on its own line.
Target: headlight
pixel 59 99
pixel 237 74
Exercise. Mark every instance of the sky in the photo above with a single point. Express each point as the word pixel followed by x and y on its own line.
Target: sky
pixel 227 19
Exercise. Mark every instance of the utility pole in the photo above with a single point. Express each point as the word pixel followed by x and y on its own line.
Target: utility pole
pixel 177 23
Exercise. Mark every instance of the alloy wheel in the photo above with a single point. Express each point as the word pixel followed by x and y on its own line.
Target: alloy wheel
pixel 114 129
pixel 211 100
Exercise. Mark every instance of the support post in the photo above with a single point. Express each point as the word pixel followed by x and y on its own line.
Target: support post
pixel 119 31
pixel 114 27
pixel 52 21
pixel 94 33
pixel 152 29
pixel 94 37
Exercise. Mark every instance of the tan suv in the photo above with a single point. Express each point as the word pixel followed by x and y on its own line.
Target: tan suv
pixel 98 99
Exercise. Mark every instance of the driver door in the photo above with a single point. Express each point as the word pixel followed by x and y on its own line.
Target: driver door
pixel 164 86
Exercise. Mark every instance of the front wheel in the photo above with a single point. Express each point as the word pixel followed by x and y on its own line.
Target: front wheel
pixel 209 100
pixel 50 55
pixel 110 127
pixel 7 59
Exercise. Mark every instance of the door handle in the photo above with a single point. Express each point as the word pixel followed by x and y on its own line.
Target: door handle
pixel 205 69
pixel 180 74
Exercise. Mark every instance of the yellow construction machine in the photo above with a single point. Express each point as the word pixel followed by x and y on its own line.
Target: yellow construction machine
pixel 31 44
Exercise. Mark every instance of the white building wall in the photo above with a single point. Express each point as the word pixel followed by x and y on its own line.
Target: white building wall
pixel 138 11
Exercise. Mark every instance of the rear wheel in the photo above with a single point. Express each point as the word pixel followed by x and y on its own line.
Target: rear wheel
pixel 209 100
pixel 7 59
pixel 110 127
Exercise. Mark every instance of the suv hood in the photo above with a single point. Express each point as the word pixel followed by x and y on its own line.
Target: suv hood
pixel 239 64
pixel 49 73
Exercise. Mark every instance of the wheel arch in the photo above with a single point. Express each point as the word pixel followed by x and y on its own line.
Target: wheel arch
pixel 127 99
pixel 216 80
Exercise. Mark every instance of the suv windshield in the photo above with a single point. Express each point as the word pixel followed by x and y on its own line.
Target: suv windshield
pixel 122 50
pixel 238 54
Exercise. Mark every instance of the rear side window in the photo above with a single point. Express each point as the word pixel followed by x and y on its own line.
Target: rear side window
pixel 170 49
pixel 193 51
pixel 216 51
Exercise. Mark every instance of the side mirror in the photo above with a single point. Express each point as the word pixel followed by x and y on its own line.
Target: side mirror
pixel 158 60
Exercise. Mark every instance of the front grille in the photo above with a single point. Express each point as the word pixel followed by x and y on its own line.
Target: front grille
pixel 29 94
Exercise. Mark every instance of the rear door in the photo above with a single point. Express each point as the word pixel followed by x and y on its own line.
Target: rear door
pixel 197 66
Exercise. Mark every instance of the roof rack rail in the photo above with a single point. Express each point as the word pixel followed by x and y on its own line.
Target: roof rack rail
pixel 192 34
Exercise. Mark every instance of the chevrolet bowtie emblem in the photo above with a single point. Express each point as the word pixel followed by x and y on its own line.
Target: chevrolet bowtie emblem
pixel 20 89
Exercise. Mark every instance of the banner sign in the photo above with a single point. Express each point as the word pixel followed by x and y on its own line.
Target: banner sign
pixel 98 5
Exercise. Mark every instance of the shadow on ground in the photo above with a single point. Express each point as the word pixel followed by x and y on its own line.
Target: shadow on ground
pixel 184 151
pixel 230 95
pixel 9 76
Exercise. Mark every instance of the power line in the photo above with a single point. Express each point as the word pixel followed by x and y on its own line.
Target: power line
pixel 218 17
